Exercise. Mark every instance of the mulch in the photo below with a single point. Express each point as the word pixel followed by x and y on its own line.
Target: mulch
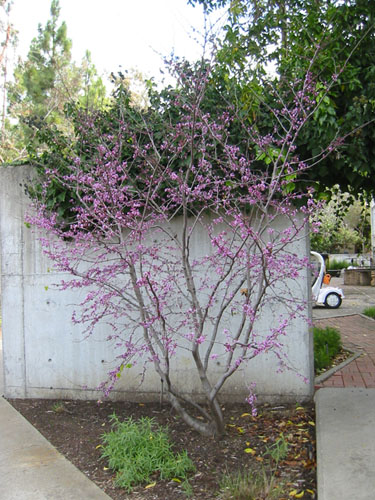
pixel 75 429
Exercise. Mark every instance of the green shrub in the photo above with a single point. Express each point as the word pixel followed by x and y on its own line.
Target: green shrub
pixel 327 344
pixel 136 450
pixel 370 312
pixel 321 360
pixel 336 265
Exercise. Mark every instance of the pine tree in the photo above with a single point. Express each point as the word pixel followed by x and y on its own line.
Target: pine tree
pixel 8 40
pixel 46 81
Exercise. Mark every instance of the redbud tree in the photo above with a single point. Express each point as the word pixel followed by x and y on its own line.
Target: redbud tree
pixel 139 186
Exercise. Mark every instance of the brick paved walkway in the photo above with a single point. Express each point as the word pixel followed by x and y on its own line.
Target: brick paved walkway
pixel 358 334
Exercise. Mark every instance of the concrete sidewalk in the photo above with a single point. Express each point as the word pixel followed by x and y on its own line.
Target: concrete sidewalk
pixel 31 468
pixel 345 423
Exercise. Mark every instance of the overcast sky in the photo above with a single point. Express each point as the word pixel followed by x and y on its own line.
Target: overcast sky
pixel 126 33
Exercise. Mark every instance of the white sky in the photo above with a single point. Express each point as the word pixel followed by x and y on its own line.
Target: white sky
pixel 126 33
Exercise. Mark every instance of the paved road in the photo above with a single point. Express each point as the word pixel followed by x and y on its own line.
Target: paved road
pixel 356 299
pixel 357 333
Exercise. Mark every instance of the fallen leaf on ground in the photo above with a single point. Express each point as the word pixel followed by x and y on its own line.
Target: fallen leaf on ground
pixel 151 485
pixel 250 450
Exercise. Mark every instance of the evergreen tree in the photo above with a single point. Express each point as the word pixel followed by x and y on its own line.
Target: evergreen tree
pixel 46 81
pixel 93 92
pixel 8 40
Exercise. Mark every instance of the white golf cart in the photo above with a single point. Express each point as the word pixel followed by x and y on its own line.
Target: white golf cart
pixel 323 295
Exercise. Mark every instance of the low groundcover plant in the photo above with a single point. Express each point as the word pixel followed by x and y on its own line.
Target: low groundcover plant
pixel 138 450
pixel 370 312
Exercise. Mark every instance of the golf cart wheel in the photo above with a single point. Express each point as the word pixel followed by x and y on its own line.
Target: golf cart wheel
pixel 333 300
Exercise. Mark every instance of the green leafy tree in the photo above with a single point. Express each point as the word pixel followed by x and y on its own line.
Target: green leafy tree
pixel 358 217
pixel 281 40
pixel 344 225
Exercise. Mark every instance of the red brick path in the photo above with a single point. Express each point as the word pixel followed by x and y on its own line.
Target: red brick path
pixel 358 334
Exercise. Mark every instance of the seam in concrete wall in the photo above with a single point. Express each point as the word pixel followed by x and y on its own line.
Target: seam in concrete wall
pixel 22 257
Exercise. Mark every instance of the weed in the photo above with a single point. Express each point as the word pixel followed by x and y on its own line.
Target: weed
pixel 187 489
pixel 58 407
pixel 137 450
pixel 327 344
pixel 370 312
pixel 250 485
pixel 321 360
pixel 279 450
pixel 253 485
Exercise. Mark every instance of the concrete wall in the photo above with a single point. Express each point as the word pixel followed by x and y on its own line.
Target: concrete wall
pixel 46 355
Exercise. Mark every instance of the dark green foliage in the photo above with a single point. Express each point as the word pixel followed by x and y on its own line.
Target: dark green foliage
pixel 126 128
pixel 327 344
pixel 336 265
pixel 370 312
pixel 89 129
pixel 35 96
pixel 330 39
pixel 136 450
pixel 349 103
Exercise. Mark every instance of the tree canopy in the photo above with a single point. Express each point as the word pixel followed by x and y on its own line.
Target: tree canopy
pixel 281 40
pixel 344 225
